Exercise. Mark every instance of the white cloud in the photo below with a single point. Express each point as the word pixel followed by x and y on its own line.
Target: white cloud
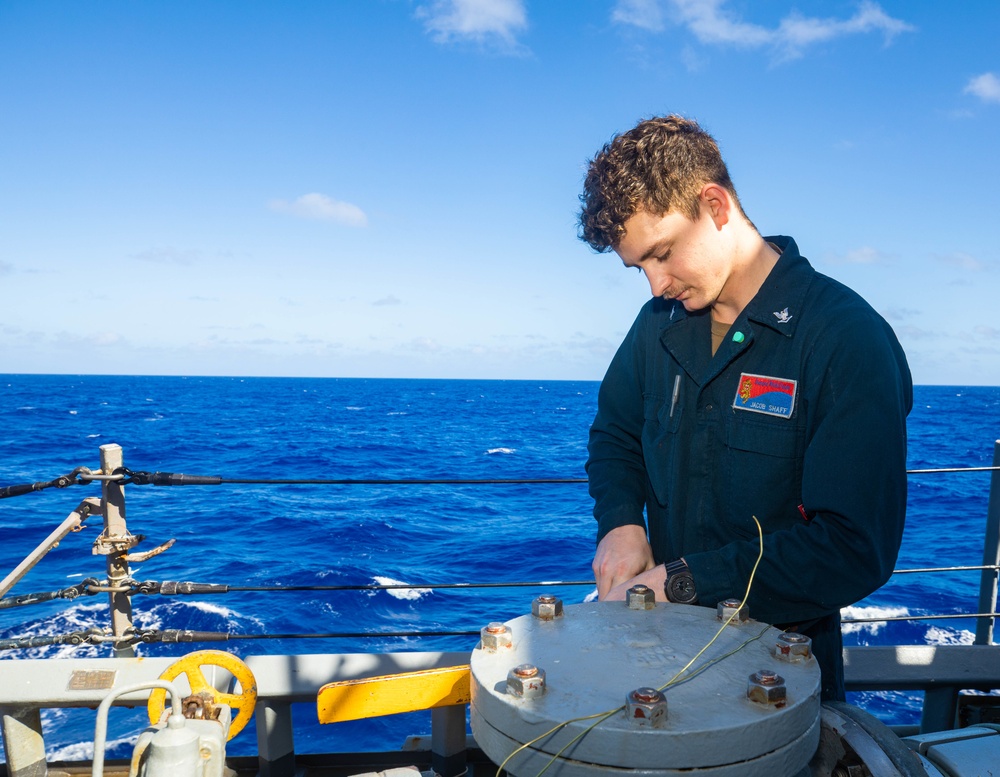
pixel 900 314
pixel 482 21
pixel 711 22
pixel 647 14
pixel 986 87
pixel 863 255
pixel 799 31
pixel 168 255
pixel 961 260
pixel 323 208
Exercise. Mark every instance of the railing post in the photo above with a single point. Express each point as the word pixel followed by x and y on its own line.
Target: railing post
pixel 991 556
pixel 113 503
pixel 23 742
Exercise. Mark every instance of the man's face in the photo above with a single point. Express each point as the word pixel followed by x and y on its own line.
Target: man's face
pixel 682 259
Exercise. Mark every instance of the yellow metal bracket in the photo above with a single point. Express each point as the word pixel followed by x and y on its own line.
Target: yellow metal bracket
pixel 372 697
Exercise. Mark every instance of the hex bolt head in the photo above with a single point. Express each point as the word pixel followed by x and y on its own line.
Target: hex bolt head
pixel 792 647
pixel 646 708
pixel 767 688
pixel 547 607
pixel 727 607
pixel 640 597
pixel 496 636
pixel 526 681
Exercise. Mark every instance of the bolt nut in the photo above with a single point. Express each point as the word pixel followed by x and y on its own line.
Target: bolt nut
pixel 496 636
pixel 646 708
pixel 726 608
pixel 547 607
pixel 640 597
pixel 767 687
pixel 526 681
pixel 792 647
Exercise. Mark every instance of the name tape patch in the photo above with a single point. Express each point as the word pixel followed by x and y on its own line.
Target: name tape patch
pixel 764 394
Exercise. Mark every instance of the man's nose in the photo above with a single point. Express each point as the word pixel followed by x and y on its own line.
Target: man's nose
pixel 659 282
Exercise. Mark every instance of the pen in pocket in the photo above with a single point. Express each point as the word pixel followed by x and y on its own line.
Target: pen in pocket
pixel 676 395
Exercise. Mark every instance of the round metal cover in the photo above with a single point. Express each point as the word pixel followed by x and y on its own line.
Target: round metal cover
pixel 598 652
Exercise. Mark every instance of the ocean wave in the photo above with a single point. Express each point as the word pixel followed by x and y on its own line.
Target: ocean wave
pixel 492 451
pixel 939 636
pixel 410 594
pixel 848 613
pixel 84 751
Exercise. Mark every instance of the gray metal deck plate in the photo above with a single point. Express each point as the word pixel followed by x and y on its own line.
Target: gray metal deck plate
pixel 598 652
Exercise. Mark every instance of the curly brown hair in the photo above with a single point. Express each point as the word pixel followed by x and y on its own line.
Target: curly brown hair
pixel 660 165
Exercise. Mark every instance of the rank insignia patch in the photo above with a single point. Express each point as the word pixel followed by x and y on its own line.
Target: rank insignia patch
pixel 761 394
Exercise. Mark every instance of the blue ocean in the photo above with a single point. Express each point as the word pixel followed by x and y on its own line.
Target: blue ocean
pixel 360 535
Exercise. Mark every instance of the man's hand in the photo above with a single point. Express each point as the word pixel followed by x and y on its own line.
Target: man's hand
pixel 622 554
pixel 653 578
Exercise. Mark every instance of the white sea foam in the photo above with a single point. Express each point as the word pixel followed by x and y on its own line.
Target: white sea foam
pixel 232 617
pixel 940 636
pixel 411 594
pixel 72 412
pixel 84 751
pixel 352 407
pixel 869 612
pixel 491 451
pixel 91 436
pixel 591 597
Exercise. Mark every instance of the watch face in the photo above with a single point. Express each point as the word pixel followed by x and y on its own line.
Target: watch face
pixel 680 588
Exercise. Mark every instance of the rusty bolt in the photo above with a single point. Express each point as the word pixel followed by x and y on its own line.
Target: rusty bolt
pixel 792 647
pixel 766 687
pixel 496 636
pixel 646 708
pixel 726 608
pixel 547 607
pixel 526 681
pixel 640 597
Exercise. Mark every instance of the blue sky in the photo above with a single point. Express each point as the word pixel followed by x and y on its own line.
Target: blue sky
pixel 388 188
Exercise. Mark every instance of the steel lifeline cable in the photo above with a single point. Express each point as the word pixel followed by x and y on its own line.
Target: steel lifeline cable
pixel 84 476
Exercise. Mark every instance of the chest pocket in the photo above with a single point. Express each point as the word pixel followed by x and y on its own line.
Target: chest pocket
pixel 659 440
pixel 763 468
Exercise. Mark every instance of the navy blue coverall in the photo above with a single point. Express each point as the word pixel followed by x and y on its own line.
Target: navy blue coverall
pixel 798 419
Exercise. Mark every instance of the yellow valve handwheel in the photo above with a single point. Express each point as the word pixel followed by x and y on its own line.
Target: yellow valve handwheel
pixel 190 665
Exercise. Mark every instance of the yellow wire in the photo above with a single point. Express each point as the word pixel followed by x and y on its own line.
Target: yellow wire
pixel 753 572
pixel 602 716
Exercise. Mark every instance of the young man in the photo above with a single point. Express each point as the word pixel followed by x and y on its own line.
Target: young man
pixel 750 386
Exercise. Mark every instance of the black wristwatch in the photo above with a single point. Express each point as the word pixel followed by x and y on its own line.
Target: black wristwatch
pixel 679 585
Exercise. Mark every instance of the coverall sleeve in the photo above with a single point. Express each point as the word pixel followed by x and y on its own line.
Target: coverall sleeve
pixel 615 465
pixel 853 489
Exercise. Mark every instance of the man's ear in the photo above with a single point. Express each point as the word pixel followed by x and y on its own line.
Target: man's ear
pixel 717 203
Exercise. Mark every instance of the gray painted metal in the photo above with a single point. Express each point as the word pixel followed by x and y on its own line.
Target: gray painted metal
pixel 913 667
pixel 31 684
pixel 792 759
pixel 598 652
pixel 71 523
pixel 113 502
pixel 991 556
pixel 940 671
pixel 23 743
pixel 975 753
